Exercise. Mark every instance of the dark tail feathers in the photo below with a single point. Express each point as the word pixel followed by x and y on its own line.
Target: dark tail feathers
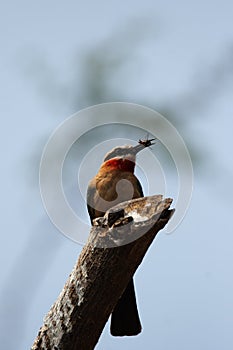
pixel 125 319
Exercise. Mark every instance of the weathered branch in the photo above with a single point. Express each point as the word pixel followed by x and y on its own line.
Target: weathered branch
pixel 101 274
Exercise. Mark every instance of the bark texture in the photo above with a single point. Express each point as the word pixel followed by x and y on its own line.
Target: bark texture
pixel 102 272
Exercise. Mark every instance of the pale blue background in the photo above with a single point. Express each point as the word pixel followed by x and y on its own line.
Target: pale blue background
pixel 177 57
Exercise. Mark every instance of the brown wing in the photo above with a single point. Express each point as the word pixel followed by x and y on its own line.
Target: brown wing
pixel 90 197
pixel 139 187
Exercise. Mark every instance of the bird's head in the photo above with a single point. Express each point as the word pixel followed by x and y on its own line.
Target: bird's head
pixel 124 157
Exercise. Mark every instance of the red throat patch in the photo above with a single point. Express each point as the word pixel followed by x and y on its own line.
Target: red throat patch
pixel 120 164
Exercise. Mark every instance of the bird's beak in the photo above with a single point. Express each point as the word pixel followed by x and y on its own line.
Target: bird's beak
pixel 143 144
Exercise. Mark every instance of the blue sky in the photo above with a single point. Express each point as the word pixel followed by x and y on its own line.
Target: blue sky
pixel 184 286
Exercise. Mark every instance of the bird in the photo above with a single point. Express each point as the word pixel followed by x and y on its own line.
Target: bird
pixel 114 183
